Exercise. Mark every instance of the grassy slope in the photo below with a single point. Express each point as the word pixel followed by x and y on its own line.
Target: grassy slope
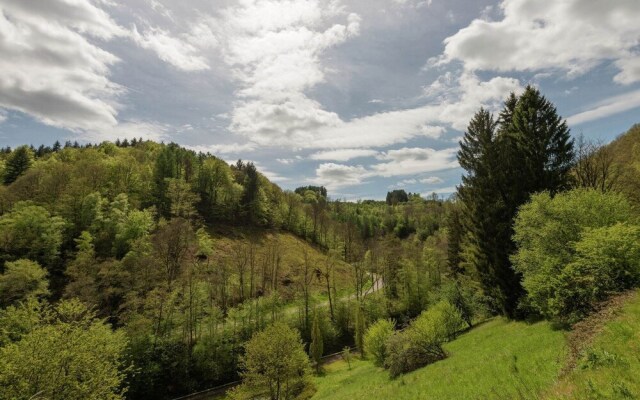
pixel 610 367
pixel 496 360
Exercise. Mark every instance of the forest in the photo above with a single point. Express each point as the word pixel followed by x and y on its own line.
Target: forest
pixel 144 270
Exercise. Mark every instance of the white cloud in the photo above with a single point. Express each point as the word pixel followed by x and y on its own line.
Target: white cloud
pixel 573 36
pixel 51 69
pixel 334 176
pixel 225 148
pixel 431 180
pixel 177 52
pixel 274 49
pixel 413 161
pixel 343 154
pixel 607 107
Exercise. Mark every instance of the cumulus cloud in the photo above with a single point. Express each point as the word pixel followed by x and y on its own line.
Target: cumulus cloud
pixel 274 49
pixel 400 162
pixel 342 154
pixel 51 70
pixel 410 161
pixel 572 36
pixel 335 176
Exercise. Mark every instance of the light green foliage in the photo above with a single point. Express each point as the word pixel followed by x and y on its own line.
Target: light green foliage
pixel 68 356
pixel 421 343
pixel 181 198
pixel 274 364
pixel 375 340
pixel 607 260
pixel 30 231
pixel 496 360
pixel 548 233
pixel 20 280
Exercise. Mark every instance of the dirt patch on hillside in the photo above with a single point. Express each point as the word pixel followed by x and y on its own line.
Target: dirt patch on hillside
pixel 582 333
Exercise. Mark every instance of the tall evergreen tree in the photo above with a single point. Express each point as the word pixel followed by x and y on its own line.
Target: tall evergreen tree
pixel 17 164
pixel 529 149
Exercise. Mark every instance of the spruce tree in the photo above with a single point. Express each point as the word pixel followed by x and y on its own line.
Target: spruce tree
pixel 529 149
pixel 17 164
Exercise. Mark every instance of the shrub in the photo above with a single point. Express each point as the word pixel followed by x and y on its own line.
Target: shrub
pixel 573 251
pixel 421 343
pixel 375 340
pixel 607 260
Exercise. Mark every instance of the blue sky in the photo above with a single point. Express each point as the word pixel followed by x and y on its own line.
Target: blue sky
pixel 361 96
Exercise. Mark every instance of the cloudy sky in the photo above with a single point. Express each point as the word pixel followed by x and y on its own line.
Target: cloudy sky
pixel 361 96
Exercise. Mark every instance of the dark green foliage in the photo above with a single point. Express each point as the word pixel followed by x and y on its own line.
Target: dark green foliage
pixel 527 150
pixel 397 196
pixel 17 163
pixel 360 330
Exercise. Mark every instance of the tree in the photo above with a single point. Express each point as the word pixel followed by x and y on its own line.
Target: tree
pixel 20 280
pixel 360 330
pixel 543 143
pixel 274 364
pixel 594 167
pixel 30 231
pixel 316 347
pixel 68 355
pixel 397 196
pixel 17 164
pixel 376 338
pixel 527 150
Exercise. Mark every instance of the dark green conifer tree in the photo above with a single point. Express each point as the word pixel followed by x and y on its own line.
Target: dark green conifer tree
pixel 17 164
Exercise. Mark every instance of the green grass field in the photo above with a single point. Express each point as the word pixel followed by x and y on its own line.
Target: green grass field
pixel 496 360
pixel 610 367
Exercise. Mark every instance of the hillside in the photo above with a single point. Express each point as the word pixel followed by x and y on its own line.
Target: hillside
pixel 509 360
pixel 496 360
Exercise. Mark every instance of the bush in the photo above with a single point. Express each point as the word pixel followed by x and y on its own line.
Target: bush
pixel 375 340
pixel 573 250
pixel 607 260
pixel 421 343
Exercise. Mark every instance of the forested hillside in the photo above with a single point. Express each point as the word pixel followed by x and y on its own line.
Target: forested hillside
pixel 187 256
pixel 145 270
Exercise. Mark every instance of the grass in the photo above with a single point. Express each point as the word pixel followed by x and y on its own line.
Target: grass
pixel 496 360
pixel 610 367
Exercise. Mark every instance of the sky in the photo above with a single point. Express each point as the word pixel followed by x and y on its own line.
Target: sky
pixel 361 96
